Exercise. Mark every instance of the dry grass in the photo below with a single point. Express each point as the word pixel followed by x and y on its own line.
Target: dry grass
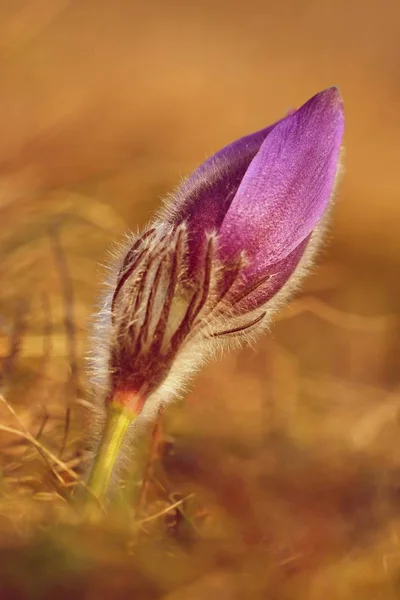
pixel 277 478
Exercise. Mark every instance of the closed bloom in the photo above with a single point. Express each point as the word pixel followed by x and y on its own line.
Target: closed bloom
pixel 228 248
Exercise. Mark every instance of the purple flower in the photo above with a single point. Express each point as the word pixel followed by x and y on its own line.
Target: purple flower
pixel 221 256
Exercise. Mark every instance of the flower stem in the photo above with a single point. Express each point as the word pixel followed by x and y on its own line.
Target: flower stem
pixel 118 421
pixel 155 437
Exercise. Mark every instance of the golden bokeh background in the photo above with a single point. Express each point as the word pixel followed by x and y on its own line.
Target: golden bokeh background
pixel 289 451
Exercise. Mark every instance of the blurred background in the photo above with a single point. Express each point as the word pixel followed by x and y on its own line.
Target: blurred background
pixel 285 458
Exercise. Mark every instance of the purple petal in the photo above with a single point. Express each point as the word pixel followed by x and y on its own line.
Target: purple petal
pixel 277 275
pixel 288 185
pixel 204 198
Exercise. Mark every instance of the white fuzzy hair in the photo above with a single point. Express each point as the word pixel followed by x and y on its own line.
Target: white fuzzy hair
pixel 195 350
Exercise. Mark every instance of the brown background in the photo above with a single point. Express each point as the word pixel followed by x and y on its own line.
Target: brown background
pixel 89 86
pixel 104 106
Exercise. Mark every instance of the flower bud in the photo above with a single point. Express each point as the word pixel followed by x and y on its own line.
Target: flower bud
pixel 220 257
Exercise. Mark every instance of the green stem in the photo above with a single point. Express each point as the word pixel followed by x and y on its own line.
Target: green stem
pixel 117 425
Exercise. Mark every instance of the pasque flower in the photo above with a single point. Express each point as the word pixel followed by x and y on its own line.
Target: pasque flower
pixel 222 255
